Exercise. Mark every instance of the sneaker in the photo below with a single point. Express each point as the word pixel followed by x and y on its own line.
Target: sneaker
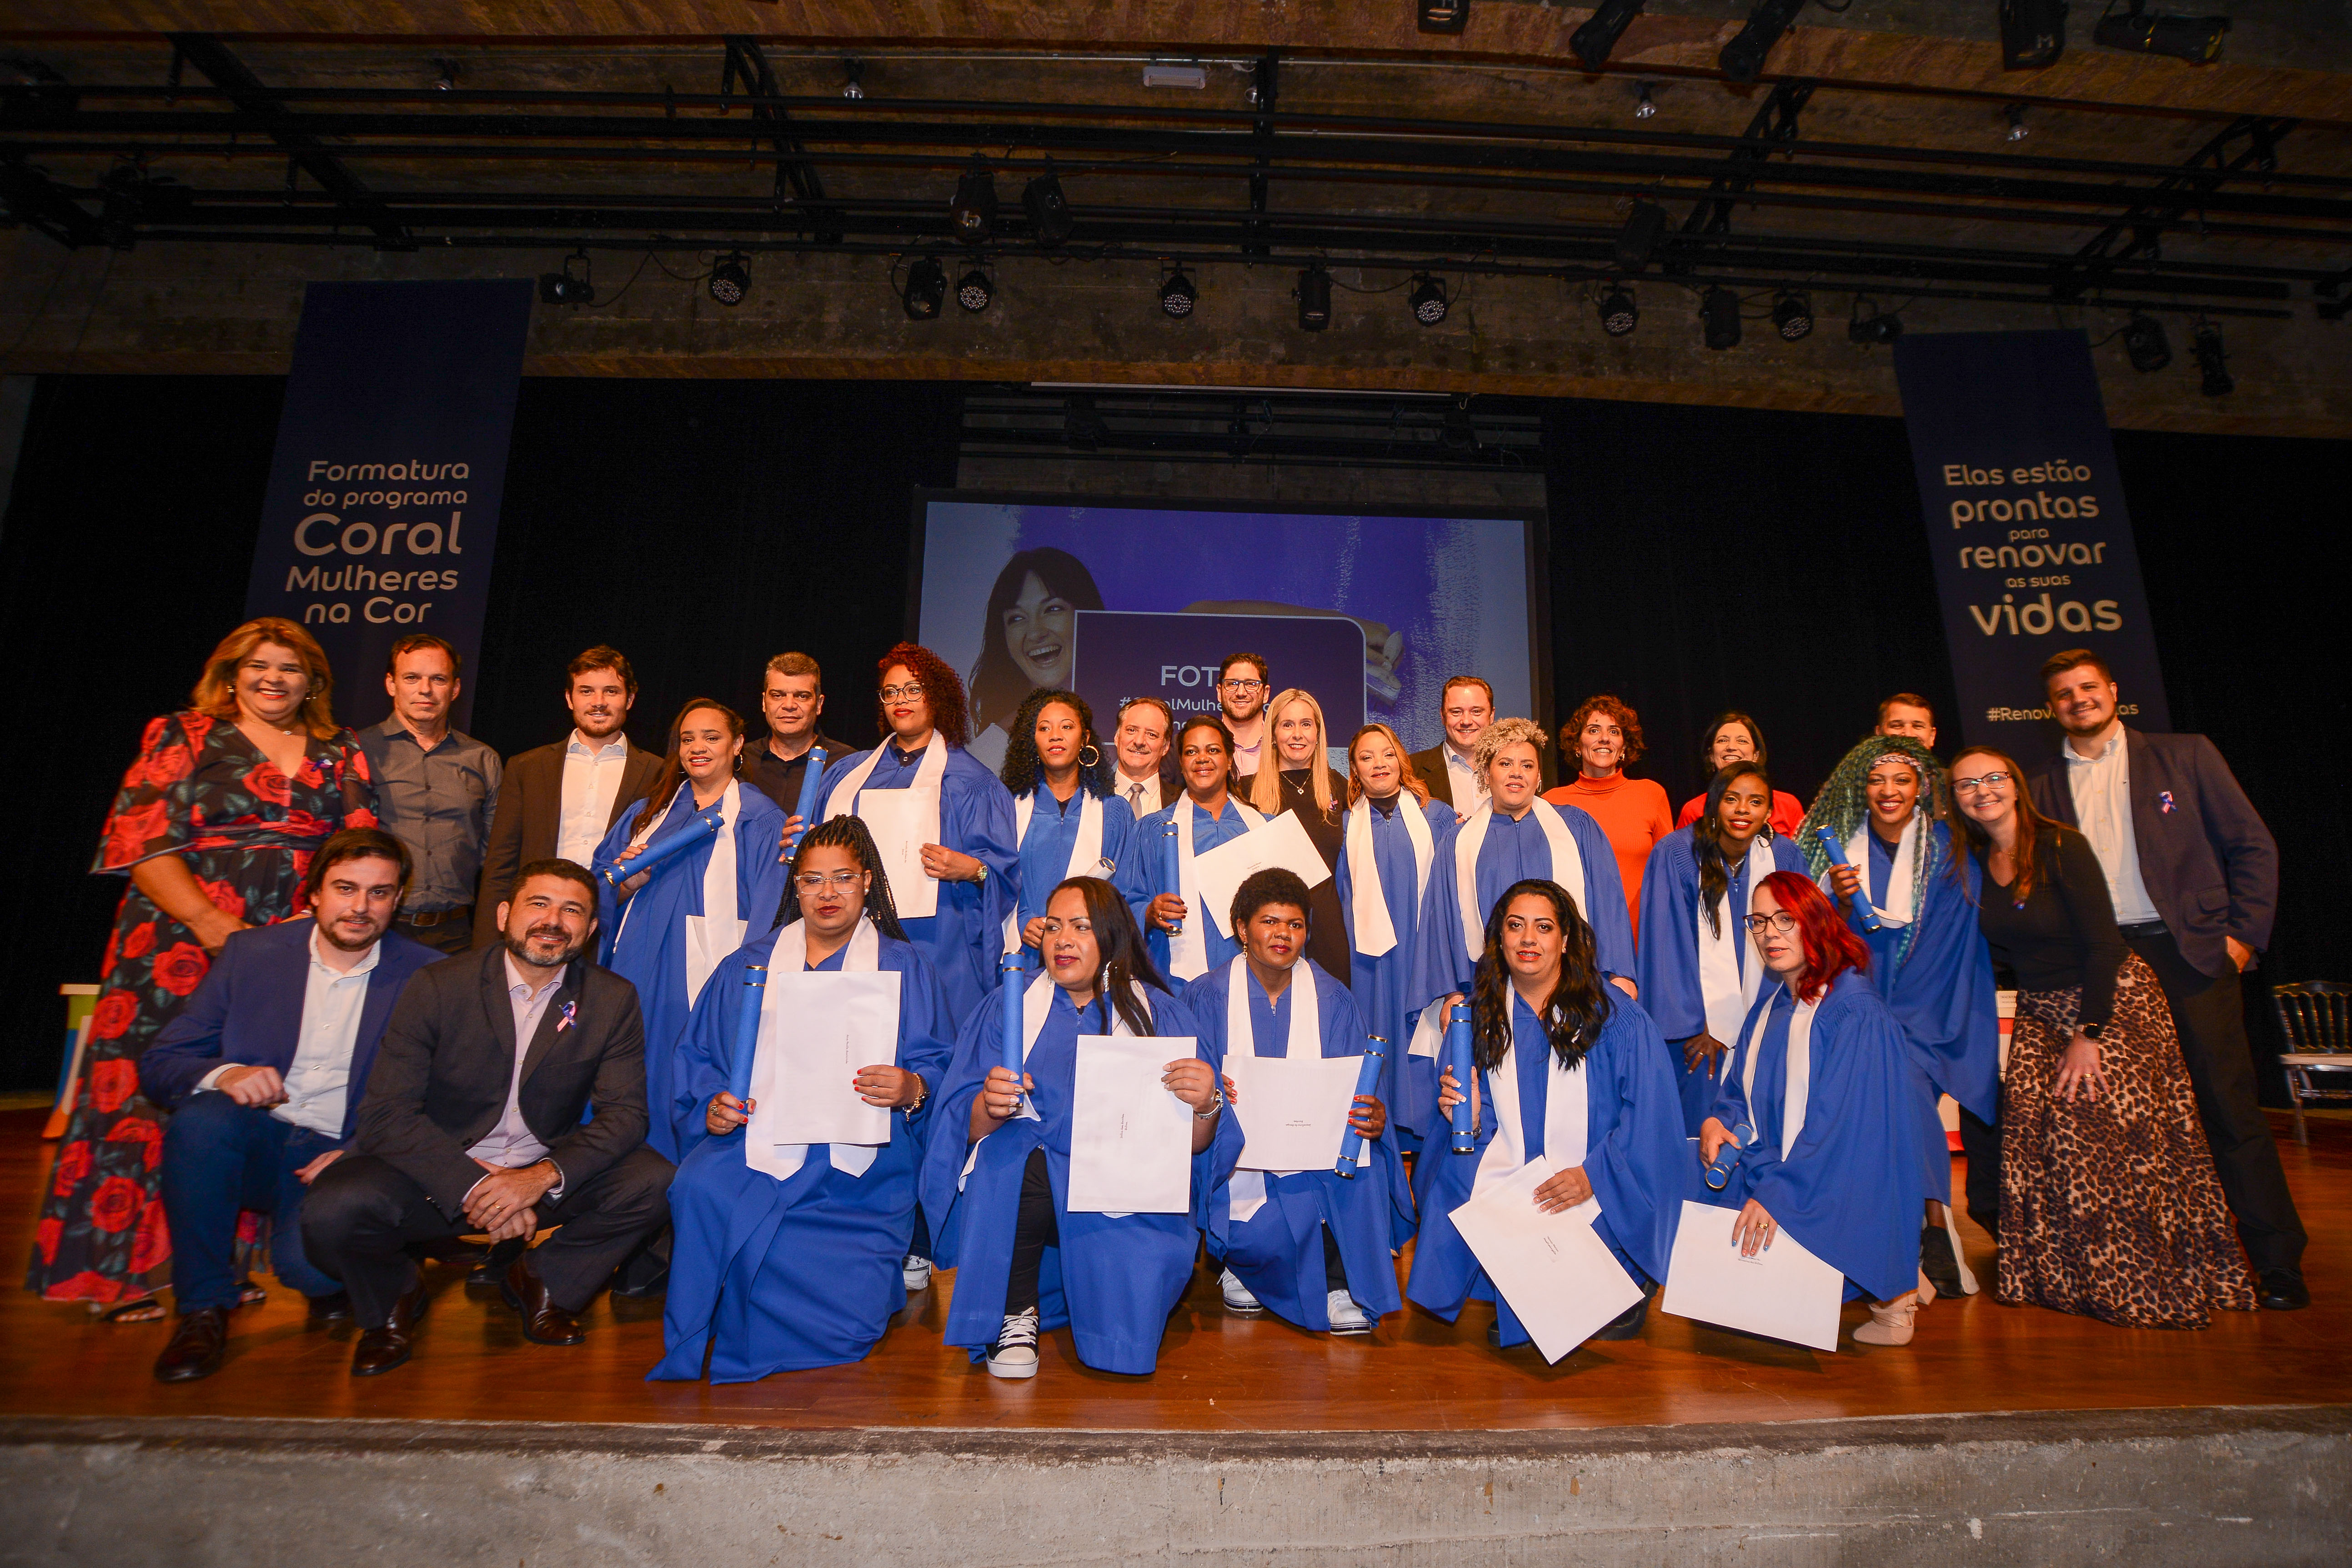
pixel 917 1272
pixel 1014 1353
pixel 1237 1295
pixel 1347 1317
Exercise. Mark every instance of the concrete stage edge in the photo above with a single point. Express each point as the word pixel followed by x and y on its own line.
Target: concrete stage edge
pixel 2237 1486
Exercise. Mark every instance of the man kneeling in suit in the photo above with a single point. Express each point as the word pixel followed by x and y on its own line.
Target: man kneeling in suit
pixel 472 1124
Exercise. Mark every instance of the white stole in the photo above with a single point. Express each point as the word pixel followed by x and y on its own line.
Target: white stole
pixel 1187 949
pixel 1799 1070
pixel 1566 867
pixel 714 933
pixel 1896 910
pixel 789 956
pixel 1375 932
pixel 1567 1114
pixel 1246 1190
pixel 1727 988
pixel 1087 858
pixel 930 775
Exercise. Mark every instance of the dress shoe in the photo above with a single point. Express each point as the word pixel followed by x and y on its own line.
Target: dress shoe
pixel 334 1309
pixel 2282 1291
pixel 543 1322
pixel 199 1341
pixel 382 1349
pixel 495 1263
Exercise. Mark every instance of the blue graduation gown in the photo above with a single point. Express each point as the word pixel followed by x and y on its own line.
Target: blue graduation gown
pixel 1943 993
pixel 1054 833
pixel 771 1276
pixel 1517 851
pixel 1668 963
pixel 1145 877
pixel 1113 1281
pixel 965 941
pixel 1278 1250
pixel 1634 1154
pixel 1850 1188
pixel 643 939
pixel 1380 984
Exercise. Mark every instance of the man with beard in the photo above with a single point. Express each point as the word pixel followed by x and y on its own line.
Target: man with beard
pixel 263 1071
pixel 472 1123
pixel 1243 683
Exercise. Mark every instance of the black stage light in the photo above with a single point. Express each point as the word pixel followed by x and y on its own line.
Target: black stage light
pixel 1050 222
pixel 973 290
pixel 852 71
pixel 1618 313
pixel 1314 295
pixel 972 217
pixel 2015 115
pixel 2145 342
pixel 1177 295
pixel 1645 108
pixel 926 290
pixel 1428 300
pixel 1793 313
pixel 1872 325
pixel 1645 227
pixel 1444 15
pixel 1743 59
pixel 1719 310
pixel 567 287
pixel 731 278
pixel 1082 427
pixel 2033 32
pixel 2207 346
pixel 1592 41
pixel 2197 39
pixel 1458 434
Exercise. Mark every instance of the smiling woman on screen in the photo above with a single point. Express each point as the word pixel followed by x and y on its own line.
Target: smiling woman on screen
pixel 1027 640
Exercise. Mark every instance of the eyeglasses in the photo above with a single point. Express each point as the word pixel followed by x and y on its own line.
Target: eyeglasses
pixel 908 692
pixel 818 882
pixel 1995 781
pixel 1243 687
pixel 1784 922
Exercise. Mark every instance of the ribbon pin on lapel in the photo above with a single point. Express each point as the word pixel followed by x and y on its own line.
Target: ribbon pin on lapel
pixel 563 1020
pixel 2164 801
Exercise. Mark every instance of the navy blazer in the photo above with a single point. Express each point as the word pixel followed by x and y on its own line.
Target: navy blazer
pixel 249 1011
pixel 2210 865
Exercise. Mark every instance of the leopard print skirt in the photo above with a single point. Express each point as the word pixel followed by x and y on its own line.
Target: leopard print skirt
pixel 2110 1208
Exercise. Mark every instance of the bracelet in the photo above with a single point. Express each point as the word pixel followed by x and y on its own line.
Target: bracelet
pixel 1216 1105
pixel 922 1092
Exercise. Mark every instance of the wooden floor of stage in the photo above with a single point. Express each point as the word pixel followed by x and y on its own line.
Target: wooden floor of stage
pixel 1217 1372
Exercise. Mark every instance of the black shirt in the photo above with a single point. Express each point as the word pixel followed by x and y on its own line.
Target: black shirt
pixel 2065 935
pixel 779 780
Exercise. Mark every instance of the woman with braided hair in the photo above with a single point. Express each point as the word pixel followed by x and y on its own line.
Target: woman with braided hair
pixel 788 1255
pixel 1888 809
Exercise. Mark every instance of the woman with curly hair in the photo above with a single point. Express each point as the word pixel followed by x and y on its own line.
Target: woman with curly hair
pixel 1603 738
pixel 1887 807
pixel 214 827
pixel 1067 821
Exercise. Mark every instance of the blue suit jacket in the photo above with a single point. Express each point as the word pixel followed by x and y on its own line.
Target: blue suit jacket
pixel 249 1011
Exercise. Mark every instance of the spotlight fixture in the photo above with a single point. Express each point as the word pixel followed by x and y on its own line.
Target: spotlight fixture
pixel 926 290
pixel 1314 295
pixel 1743 59
pixel 2207 346
pixel 2015 114
pixel 1792 314
pixel 1048 209
pixel 1592 41
pixel 1428 300
pixel 1177 295
pixel 971 216
pixel 1645 227
pixel 731 278
pixel 2197 39
pixel 1444 15
pixel 1457 434
pixel 973 290
pixel 2145 343
pixel 1618 313
pixel 1872 325
pixel 567 287
pixel 1719 309
pixel 445 75
pixel 1645 108
pixel 2032 33
pixel 1082 426
pixel 853 74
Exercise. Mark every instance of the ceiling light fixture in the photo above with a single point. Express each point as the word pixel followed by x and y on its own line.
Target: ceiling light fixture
pixel 1619 314
pixel 731 278
pixel 2146 345
pixel 1719 309
pixel 1645 225
pixel 1314 297
pixel 1177 295
pixel 1792 314
pixel 1428 300
pixel 1742 59
pixel 926 291
pixel 971 216
pixel 1592 41
pixel 1048 210
pixel 2197 39
pixel 973 290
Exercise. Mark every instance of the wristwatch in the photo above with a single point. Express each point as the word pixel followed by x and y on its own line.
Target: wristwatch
pixel 2091 1031
pixel 1216 1105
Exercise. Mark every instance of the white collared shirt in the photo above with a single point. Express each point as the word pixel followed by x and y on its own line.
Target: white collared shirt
pixel 592 777
pixel 1469 784
pixel 1142 794
pixel 2102 791
pixel 318 1079
pixel 511 1142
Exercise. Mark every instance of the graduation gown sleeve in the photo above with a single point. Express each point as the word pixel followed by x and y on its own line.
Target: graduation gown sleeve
pixel 1636 1152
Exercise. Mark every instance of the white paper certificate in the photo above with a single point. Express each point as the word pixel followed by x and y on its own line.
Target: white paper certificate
pixel 892 816
pixel 1559 1276
pixel 1293 1111
pixel 1785 1293
pixel 1131 1140
pixel 815 1032
pixel 1219 873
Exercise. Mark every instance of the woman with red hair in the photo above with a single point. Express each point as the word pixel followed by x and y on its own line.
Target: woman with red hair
pixel 1820 1089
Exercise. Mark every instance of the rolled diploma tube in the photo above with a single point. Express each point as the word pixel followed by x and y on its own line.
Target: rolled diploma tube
pixel 1869 911
pixel 1368 1079
pixel 747 1032
pixel 810 780
pixel 1457 1056
pixel 1010 996
pixel 1172 862
pixel 1718 1175
pixel 654 854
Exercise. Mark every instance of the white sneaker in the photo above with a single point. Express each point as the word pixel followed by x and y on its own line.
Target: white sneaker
pixel 1237 1295
pixel 1014 1353
pixel 917 1272
pixel 1347 1317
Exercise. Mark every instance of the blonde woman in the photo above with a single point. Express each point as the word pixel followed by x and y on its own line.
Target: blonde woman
pixel 1301 780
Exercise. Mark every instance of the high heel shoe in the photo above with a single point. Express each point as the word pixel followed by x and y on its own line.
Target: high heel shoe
pixel 1890 1322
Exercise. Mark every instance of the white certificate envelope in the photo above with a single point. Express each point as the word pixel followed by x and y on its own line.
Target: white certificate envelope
pixel 1130 1139
pixel 816 1030
pixel 1219 873
pixel 1556 1274
pixel 893 817
pixel 1785 1293
pixel 1293 1111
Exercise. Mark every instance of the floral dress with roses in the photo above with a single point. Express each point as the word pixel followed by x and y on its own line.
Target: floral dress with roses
pixel 202 791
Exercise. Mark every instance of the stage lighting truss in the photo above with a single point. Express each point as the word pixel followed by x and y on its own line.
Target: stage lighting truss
pixel 731 278
pixel 1718 312
pixel 1619 314
pixel 1428 300
pixel 926 291
pixel 2212 361
pixel 974 290
pixel 567 287
pixel 1792 314
pixel 1177 294
pixel 971 216
pixel 2146 344
pixel 1314 297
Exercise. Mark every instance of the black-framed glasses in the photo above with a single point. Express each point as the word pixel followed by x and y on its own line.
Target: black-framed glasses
pixel 1243 687
pixel 908 692
pixel 1996 779
pixel 1781 921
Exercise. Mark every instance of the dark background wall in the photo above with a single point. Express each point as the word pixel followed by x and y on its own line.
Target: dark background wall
pixel 1701 558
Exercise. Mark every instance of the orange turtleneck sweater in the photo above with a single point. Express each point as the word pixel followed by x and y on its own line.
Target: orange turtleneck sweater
pixel 1634 813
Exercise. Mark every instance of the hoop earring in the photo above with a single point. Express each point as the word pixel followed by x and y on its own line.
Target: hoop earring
pixel 1085 760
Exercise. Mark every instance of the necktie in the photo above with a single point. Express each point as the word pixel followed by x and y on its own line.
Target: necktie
pixel 1135 800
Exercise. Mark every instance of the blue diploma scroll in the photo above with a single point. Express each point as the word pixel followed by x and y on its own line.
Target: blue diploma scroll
pixel 1368 1079
pixel 1867 912
pixel 811 778
pixel 1718 1175
pixel 747 1032
pixel 1457 1056
pixel 655 855
pixel 1171 863
pixel 1014 973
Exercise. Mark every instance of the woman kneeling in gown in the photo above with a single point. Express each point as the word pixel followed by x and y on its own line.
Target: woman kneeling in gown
pixel 1023 1259
pixel 787 1255
pixel 1573 1072
pixel 1822 1079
